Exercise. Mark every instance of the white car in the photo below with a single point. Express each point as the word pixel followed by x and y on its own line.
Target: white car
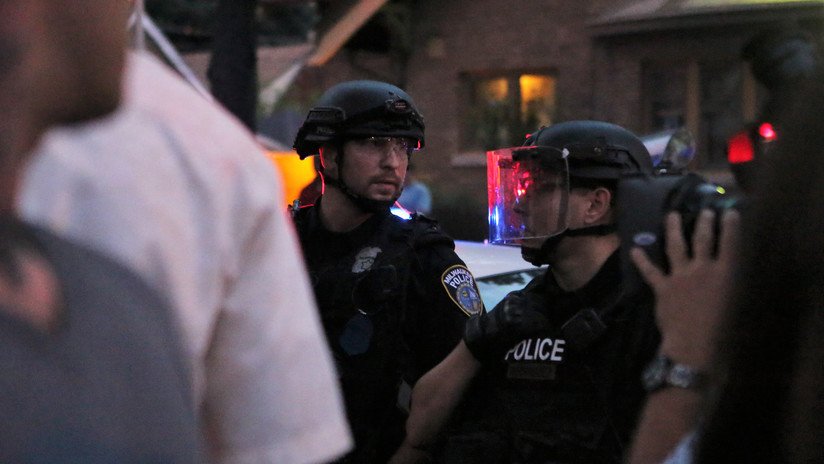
pixel 498 269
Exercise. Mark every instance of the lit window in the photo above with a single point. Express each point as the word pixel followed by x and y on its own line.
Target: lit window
pixel 502 109
pixel 537 99
pixel 494 90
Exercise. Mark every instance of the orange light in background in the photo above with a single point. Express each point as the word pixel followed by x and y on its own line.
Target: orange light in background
pixel 494 90
pixel 537 97
pixel 295 172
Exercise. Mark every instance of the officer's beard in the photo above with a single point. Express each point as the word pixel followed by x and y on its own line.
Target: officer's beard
pixel 543 254
pixel 367 205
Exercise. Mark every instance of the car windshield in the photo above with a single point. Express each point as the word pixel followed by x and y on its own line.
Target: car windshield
pixel 494 288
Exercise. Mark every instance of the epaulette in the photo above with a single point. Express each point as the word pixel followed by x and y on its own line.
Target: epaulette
pixel 427 233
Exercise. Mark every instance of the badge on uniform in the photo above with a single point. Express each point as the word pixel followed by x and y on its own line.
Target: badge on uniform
pixel 460 285
pixel 365 259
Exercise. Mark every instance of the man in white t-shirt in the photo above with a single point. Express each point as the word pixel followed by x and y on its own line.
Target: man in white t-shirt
pixel 175 188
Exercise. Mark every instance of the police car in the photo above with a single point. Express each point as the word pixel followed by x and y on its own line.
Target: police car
pixel 498 269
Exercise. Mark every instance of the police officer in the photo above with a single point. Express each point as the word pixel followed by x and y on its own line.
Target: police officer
pixel 558 364
pixel 392 293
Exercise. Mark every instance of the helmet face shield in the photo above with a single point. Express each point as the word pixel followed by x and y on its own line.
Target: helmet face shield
pixel 528 190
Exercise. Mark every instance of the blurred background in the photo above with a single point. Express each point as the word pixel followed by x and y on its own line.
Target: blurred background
pixel 484 73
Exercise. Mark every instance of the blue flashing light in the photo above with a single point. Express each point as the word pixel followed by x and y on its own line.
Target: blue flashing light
pixel 400 212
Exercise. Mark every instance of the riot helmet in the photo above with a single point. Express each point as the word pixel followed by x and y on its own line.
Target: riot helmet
pixel 357 110
pixel 597 150
pixel 553 160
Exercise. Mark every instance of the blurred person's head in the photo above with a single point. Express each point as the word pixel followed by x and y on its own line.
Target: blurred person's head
pixel 365 133
pixel 60 62
pixel 781 59
pixel 781 56
pixel 561 183
pixel 770 407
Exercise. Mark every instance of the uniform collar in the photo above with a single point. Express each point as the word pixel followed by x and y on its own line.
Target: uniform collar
pixel 600 287
pixel 355 237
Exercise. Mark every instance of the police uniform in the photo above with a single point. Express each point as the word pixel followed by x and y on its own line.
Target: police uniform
pixel 393 297
pixel 566 394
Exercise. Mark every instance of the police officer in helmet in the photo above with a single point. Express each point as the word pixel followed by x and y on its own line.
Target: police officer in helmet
pixel 557 365
pixel 392 293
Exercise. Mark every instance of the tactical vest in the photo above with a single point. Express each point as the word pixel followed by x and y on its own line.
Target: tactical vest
pixel 363 296
pixel 553 396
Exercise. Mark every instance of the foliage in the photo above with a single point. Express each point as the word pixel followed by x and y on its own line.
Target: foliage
pixel 191 23
pixel 194 16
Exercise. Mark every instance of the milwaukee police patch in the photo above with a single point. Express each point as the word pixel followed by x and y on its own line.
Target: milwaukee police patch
pixel 460 285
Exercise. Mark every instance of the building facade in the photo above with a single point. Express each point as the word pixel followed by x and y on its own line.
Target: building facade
pixel 486 72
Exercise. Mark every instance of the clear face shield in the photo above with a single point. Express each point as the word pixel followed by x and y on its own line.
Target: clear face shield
pixel 528 190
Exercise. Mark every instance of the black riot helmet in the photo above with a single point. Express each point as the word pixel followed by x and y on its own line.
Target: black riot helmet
pixel 596 149
pixel 556 159
pixel 359 109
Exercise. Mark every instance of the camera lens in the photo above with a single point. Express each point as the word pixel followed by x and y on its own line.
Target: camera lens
pixel 694 194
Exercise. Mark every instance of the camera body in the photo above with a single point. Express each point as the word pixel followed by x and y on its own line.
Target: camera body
pixel 642 203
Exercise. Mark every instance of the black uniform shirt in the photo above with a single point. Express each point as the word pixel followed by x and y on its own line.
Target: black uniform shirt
pixel 546 400
pixel 393 298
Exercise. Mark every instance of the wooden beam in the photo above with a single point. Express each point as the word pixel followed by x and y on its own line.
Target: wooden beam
pixel 334 39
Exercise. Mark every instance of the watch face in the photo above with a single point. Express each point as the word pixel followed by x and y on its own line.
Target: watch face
pixel 655 373
pixel 684 377
pixel 663 372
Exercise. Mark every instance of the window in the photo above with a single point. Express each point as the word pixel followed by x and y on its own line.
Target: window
pixel 666 97
pixel 502 109
pixel 706 97
pixel 721 109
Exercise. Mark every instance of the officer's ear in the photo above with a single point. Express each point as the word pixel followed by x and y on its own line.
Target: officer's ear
pixel 599 206
pixel 328 155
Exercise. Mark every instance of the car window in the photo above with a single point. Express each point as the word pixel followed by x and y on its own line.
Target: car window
pixel 494 288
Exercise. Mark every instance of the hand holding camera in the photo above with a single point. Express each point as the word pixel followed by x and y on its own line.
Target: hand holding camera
pixel 691 298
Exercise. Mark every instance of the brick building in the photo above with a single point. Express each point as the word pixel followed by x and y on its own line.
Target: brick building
pixel 485 72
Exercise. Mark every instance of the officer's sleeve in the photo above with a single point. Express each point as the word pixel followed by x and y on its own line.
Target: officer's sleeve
pixel 448 297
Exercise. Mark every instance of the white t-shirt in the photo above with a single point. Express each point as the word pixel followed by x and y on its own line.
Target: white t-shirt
pixel 178 190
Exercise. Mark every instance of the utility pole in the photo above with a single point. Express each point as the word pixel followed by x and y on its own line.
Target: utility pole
pixel 233 67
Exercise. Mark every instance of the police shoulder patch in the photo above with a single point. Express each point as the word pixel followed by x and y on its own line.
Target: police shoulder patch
pixel 460 286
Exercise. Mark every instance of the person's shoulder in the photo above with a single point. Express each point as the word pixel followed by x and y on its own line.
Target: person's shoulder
pixel 206 139
pixel 153 89
pixel 152 85
pixel 423 233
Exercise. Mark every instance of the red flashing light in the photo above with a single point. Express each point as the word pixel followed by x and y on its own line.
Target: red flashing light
pixel 767 132
pixel 740 148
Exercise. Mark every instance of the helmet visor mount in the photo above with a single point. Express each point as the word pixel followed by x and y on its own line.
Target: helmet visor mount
pixel 528 190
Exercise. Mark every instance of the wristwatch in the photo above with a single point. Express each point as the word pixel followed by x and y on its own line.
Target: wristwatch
pixel 663 372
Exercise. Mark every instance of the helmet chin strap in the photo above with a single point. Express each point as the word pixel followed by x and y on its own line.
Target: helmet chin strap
pixel 540 256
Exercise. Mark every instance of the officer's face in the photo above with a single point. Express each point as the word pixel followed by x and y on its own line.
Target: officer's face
pixel 375 167
pixel 542 206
